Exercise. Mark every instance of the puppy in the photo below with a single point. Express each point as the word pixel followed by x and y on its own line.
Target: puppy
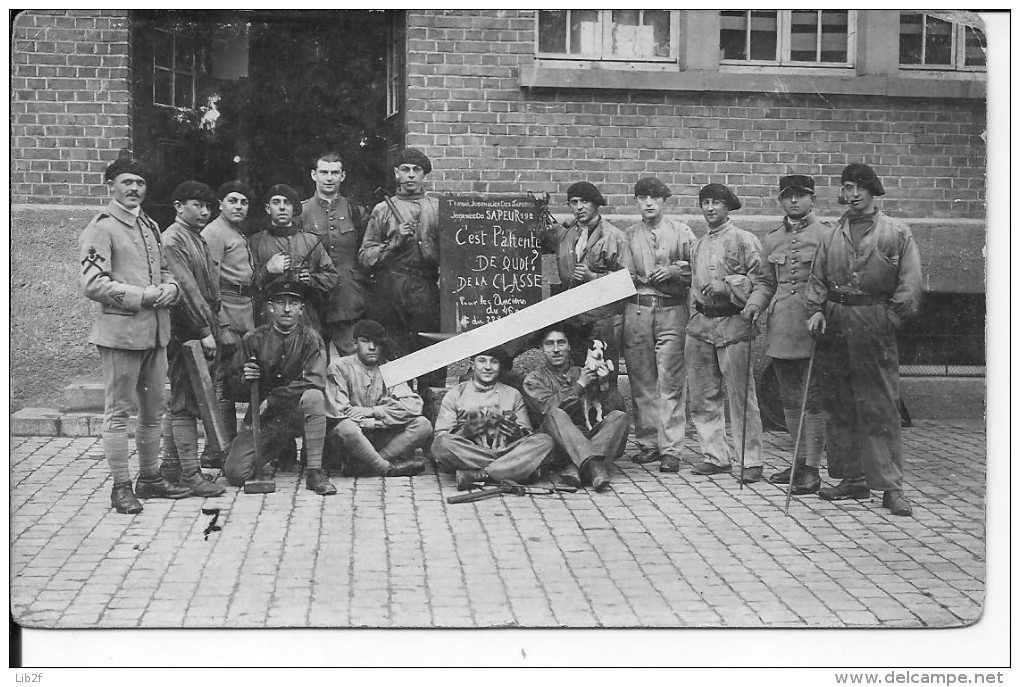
pixel 592 398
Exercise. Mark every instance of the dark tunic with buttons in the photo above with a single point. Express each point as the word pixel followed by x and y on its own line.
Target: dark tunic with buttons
pixel 340 225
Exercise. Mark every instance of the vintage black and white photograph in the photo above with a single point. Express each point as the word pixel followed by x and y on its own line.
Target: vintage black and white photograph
pixel 473 319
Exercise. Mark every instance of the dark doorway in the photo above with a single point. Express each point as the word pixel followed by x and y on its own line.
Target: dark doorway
pixel 256 95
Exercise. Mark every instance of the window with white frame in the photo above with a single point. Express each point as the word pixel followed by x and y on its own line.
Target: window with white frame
pixel 173 69
pixel 799 38
pixel 623 35
pixel 931 42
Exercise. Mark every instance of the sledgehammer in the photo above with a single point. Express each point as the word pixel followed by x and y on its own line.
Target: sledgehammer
pixel 257 485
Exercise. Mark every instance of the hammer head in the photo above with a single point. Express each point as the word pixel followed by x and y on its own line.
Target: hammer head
pixel 382 193
pixel 259 486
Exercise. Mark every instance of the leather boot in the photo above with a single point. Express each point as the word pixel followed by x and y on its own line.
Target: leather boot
pixel 568 476
pixel 405 468
pixel 200 486
pixel 647 455
pixel 897 503
pixel 155 487
pixel 751 475
pixel 849 488
pixel 594 472
pixel 805 480
pixel 123 499
pixel 465 478
pixel 318 481
pixel 669 463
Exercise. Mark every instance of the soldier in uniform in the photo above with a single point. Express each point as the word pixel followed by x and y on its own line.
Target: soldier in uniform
pixel 375 429
pixel 288 359
pixel 283 249
pixel 233 271
pixel 483 432
pixel 865 283
pixel 788 252
pixel 195 316
pixel 340 224
pixel 124 270
pixel 405 260
pixel 586 248
pixel 653 326
pixel 726 266
pixel 554 393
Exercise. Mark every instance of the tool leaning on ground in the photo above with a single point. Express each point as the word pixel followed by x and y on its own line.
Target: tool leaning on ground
pixel 257 485
pixel 800 427
pixel 478 492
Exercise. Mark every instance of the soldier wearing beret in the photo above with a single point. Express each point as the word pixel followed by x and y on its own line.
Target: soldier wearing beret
pixel 283 249
pixel 374 428
pixel 865 283
pixel 405 260
pixel 288 359
pixel 124 270
pixel 233 270
pixel 586 248
pixel 788 251
pixel 726 269
pixel 653 326
pixel 340 224
pixel 195 316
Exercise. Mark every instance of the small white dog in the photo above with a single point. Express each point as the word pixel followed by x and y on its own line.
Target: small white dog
pixel 597 363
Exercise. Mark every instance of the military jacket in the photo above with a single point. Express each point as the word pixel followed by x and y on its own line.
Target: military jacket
pixel 606 250
pixel 196 313
pixel 668 245
pixel 384 248
pixel 340 225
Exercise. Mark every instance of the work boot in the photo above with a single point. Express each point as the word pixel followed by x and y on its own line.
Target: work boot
pixel 568 476
pixel 849 488
pixel 155 487
pixel 783 477
pixel 896 502
pixel 669 463
pixel 751 475
pixel 465 478
pixel 805 480
pixel 647 455
pixel 123 499
pixel 706 468
pixel 318 481
pixel 405 468
pixel 594 472
pixel 201 486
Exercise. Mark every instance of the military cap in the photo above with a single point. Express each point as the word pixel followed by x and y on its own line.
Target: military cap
pixel 796 182
pixel 369 329
pixel 500 354
pixel 286 285
pixel 126 164
pixel 413 156
pixel 586 192
pixel 287 192
pixel 720 192
pixel 862 175
pixel 235 186
pixel 651 186
pixel 193 190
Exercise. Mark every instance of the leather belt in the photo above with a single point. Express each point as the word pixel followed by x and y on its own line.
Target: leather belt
pixel 853 299
pixel 236 289
pixel 721 311
pixel 413 272
pixel 650 300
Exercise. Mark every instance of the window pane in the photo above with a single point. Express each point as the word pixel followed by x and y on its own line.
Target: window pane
pixel 803 35
pixel 911 30
pixel 182 90
pixel 162 49
pixel 835 28
pixel 733 35
pixel 162 87
pixel 975 42
pixel 637 36
pixel 184 52
pixel 938 41
pixel 659 21
pixel 552 31
pixel 585 32
pixel 764 30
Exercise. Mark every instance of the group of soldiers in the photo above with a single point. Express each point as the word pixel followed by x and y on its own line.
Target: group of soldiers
pixel 284 312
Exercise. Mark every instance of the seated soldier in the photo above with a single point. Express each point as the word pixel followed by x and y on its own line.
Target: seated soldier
pixel 556 392
pixel 483 433
pixel 375 428
pixel 289 361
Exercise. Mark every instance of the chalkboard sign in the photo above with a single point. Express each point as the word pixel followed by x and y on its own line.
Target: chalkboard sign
pixel 490 259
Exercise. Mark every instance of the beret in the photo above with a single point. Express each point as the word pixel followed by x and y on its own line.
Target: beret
pixel 862 175
pixel 796 182
pixel 586 192
pixel 235 186
pixel 651 186
pixel 193 190
pixel 500 354
pixel 125 164
pixel 369 329
pixel 287 192
pixel 286 285
pixel 413 156
pixel 720 192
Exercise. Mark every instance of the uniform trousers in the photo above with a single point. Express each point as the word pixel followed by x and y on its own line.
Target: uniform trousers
pixel 130 376
pixel 516 461
pixel 607 439
pixel 653 346
pixel 708 368
pixel 362 451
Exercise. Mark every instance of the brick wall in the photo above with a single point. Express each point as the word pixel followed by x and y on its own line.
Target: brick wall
pixel 486 134
pixel 70 85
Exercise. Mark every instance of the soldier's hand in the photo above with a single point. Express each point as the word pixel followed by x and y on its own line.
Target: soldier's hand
pixel 149 295
pixel 716 287
pixel 250 372
pixel 209 347
pixel 659 275
pixel 167 294
pixel 368 423
pixel 509 428
pixel 278 264
pixel 305 277
pixel 583 273
pixel 407 229
pixel 750 313
pixel 587 377
pixel 359 413
pixel 816 324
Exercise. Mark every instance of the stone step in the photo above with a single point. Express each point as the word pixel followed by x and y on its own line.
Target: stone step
pixel 51 422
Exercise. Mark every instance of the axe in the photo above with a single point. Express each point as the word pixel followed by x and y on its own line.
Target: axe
pixel 257 485
pixel 388 199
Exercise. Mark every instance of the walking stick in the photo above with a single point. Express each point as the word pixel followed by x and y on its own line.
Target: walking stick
pixel 747 392
pixel 257 485
pixel 800 428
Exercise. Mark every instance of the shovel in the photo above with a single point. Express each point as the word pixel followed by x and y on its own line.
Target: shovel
pixel 257 485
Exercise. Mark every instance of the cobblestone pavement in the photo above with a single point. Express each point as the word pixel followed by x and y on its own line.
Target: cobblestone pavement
pixel 655 550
